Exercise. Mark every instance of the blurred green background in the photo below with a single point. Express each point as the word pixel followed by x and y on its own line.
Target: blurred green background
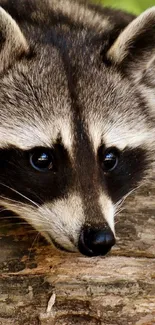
pixel 133 6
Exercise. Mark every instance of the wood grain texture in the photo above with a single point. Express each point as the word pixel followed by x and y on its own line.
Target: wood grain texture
pixel 115 290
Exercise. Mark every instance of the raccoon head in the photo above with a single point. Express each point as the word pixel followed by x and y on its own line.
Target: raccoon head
pixel 76 126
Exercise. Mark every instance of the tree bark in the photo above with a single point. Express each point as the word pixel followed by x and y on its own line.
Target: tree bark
pixel 42 286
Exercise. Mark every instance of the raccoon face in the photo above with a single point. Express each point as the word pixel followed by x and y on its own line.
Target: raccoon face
pixel 76 129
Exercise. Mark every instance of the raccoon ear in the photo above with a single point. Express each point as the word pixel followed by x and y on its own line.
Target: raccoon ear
pixel 12 42
pixel 135 46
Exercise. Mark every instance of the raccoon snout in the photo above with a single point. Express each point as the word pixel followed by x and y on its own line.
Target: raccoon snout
pixel 95 242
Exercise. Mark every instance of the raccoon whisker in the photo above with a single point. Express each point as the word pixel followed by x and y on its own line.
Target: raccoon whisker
pixel 116 222
pixel 24 204
pixel 3 210
pixel 12 224
pixel 26 223
pixel 21 207
pixel 118 205
pixel 19 193
pixel 23 224
pixel 119 211
pixel 33 243
pixel 37 196
pixel 137 187
pixel 8 217
pixel 11 200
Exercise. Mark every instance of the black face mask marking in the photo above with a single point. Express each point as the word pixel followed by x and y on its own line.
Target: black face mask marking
pixel 55 182
pixel 17 172
pixel 130 169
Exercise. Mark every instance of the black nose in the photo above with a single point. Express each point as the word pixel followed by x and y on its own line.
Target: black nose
pixel 94 242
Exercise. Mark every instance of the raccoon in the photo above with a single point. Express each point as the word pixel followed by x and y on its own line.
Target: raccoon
pixel 76 116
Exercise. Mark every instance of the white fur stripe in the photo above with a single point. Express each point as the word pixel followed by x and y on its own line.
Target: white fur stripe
pixel 108 210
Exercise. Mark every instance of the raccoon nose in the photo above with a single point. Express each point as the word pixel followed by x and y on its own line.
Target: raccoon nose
pixel 95 242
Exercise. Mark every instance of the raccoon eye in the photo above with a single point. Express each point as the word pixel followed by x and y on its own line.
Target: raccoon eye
pixel 110 159
pixel 41 160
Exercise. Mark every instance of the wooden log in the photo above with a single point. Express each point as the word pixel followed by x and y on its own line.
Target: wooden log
pixel 42 286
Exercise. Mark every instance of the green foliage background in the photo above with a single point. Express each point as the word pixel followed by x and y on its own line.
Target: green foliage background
pixel 133 6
